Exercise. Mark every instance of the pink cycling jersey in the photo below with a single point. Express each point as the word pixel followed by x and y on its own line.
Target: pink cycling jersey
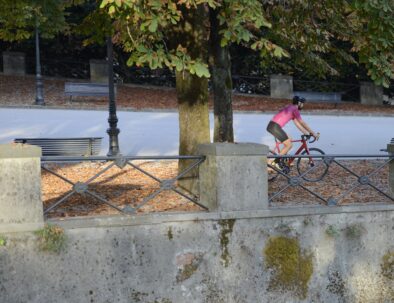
pixel 288 113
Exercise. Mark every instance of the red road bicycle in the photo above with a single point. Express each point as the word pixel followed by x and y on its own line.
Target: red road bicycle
pixel 309 168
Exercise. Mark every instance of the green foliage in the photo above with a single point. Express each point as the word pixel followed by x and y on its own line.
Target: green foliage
pixel 374 40
pixel 170 235
pixel 312 32
pixel 18 19
pixel 3 241
pixel 148 30
pixel 51 238
pixel 388 265
pixel 354 231
pixel 332 231
pixel 227 228
pixel 292 269
pixel 324 36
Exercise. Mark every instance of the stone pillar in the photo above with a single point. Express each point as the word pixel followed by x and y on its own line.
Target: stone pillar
pixel 371 94
pixel 21 206
pixel 98 71
pixel 390 149
pixel 234 176
pixel 14 63
pixel 281 86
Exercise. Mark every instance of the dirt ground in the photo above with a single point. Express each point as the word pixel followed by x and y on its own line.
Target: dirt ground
pixel 128 187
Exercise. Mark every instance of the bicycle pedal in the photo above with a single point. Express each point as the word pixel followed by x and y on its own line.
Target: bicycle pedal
pixel 286 170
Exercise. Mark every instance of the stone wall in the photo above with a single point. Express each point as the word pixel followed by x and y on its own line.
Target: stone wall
pixel 207 257
pixel 239 251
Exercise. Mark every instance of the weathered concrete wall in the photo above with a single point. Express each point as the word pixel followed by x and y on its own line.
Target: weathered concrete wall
pixel 233 176
pixel 209 257
pixel 20 188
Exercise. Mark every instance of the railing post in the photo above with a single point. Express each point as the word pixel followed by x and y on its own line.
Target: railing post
pixel 98 71
pixel 281 86
pixel 371 94
pixel 234 177
pixel 21 206
pixel 390 149
pixel 14 63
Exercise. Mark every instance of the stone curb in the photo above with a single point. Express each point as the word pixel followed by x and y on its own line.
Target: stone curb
pixel 149 219
pixel 162 110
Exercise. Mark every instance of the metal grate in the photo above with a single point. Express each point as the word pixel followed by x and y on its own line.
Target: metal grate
pixel 96 189
pixel 341 179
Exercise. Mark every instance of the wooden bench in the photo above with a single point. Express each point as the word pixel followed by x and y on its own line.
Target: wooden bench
pixel 86 89
pixel 88 146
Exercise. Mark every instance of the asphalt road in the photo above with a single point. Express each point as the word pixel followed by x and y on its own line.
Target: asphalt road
pixel 156 133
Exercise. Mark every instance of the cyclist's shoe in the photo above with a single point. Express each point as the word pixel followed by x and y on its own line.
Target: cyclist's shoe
pixel 281 165
pixel 277 165
pixel 285 169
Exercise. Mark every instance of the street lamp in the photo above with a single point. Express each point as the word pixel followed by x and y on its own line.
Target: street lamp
pixel 39 83
pixel 112 131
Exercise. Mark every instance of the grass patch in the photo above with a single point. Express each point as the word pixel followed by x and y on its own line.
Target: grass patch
pixel 3 241
pixel 51 238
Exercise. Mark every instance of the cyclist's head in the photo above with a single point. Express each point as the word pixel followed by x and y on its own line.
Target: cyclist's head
pixel 299 101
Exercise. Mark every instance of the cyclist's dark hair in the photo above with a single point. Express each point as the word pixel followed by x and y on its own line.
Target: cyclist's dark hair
pixel 297 99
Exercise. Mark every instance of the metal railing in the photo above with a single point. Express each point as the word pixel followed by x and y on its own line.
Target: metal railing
pixel 94 180
pixel 251 85
pixel 348 91
pixel 60 68
pixel 331 180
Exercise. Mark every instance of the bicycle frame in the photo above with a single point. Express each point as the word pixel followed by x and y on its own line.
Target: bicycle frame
pixel 304 146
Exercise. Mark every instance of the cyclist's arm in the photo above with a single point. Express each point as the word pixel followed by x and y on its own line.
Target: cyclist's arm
pixel 301 127
pixel 307 128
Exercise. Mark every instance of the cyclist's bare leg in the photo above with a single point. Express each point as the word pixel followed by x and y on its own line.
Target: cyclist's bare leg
pixel 287 146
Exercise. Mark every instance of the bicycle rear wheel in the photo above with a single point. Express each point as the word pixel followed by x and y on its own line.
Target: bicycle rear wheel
pixel 314 168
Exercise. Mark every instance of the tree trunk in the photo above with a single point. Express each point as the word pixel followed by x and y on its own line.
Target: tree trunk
pixel 192 93
pixel 221 83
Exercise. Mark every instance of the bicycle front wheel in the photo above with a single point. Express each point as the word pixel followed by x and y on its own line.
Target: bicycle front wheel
pixel 312 169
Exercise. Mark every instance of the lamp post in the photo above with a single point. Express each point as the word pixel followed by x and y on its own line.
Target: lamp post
pixel 113 130
pixel 39 83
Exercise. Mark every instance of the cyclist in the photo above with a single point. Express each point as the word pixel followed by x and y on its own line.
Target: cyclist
pixel 290 112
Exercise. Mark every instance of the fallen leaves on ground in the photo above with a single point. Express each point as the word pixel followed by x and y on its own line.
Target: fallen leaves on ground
pixel 341 183
pixel 20 91
pixel 111 185
pixel 129 187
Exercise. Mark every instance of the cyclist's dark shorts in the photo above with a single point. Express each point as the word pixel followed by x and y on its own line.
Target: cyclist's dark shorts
pixel 277 131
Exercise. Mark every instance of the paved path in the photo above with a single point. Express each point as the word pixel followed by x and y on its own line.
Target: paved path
pixel 150 133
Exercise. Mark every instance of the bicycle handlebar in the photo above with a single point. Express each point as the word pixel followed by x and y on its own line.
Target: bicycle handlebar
pixel 308 138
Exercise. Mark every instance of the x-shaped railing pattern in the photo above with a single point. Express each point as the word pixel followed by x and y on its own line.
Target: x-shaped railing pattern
pixel 328 160
pixel 121 162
